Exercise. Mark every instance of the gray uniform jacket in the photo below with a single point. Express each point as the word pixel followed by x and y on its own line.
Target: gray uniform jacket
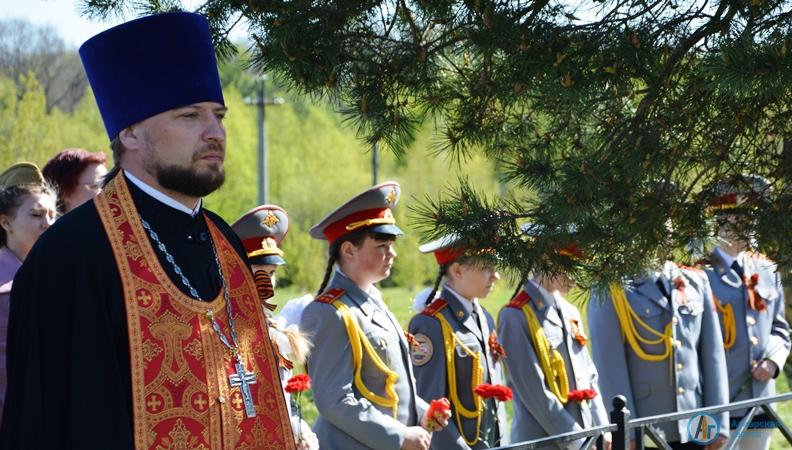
pixel 695 376
pixel 347 420
pixel 430 370
pixel 759 335
pixel 537 411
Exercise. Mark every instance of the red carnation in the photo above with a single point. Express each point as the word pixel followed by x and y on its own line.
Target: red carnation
pixel 298 383
pixel 438 409
pixel 581 395
pixel 497 391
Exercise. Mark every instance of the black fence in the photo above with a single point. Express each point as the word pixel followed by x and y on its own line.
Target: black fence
pixel 623 429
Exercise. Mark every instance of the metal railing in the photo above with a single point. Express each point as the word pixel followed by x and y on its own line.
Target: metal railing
pixel 623 430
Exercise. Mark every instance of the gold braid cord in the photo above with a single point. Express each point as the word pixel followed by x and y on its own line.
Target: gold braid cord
pixel 629 321
pixel 358 343
pixel 729 325
pixel 450 341
pixel 550 360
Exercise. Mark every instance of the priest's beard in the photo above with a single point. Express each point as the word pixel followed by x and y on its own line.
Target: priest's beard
pixel 185 180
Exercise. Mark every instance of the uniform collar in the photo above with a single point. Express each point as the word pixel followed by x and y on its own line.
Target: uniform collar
pixel 341 280
pixel 722 261
pixel 646 285
pixel 466 304
pixel 542 298
pixel 163 198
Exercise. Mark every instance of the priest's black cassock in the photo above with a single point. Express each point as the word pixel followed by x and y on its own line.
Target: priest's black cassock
pixel 69 381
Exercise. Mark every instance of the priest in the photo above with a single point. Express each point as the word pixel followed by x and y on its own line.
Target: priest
pixel 135 321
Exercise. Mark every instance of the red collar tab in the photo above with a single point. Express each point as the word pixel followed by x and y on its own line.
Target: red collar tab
pixel 330 295
pixel 519 300
pixel 435 307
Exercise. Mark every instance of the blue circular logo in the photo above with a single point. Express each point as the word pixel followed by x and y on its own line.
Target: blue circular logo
pixel 703 428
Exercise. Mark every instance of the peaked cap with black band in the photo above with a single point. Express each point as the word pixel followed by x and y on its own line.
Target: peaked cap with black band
pixel 262 229
pixel 146 66
pixel 370 209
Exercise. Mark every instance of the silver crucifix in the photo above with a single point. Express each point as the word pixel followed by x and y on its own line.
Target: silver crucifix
pixel 244 380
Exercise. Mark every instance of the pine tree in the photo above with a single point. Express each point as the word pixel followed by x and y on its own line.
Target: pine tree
pixel 607 117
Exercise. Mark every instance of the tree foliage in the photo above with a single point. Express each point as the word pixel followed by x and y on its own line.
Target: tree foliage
pixel 598 110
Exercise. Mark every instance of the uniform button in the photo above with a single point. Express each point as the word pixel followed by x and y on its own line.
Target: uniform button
pixel 754 340
pixel 221 399
pixel 680 390
pixel 647 311
pixel 751 321
pixel 679 367
pixel 678 343
pixel 675 321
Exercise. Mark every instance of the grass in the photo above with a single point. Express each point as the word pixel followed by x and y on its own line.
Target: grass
pixel 400 300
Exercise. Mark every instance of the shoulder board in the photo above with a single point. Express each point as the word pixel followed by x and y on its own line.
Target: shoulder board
pixel 434 307
pixel 330 295
pixel 519 300
pixel 694 269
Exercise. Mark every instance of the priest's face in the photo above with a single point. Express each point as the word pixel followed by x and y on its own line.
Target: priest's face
pixel 183 149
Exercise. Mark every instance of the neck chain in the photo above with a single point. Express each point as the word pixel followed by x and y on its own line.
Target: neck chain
pixel 240 378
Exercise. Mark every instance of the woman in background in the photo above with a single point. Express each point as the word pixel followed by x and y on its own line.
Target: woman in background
pixel 77 176
pixel 27 208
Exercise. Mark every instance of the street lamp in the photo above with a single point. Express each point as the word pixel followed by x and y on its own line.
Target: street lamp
pixel 260 102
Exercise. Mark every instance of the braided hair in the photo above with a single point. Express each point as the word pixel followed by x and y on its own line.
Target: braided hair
pixel 440 274
pixel 523 279
pixel 356 238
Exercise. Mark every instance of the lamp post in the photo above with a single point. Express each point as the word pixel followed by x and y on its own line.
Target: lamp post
pixel 261 101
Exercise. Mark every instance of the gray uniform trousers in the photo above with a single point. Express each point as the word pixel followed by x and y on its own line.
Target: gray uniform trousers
pixel 347 420
pixel 759 335
pixel 432 376
pixel 694 377
pixel 537 411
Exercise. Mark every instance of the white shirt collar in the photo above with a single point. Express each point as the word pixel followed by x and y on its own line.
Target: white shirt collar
pixel 467 304
pixel 372 292
pixel 163 198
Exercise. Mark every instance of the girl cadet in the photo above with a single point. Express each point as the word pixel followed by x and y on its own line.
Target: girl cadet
pixel 360 363
pixel 455 348
pixel 261 230
pixel 656 340
pixel 27 209
pixel 553 377
pixel 746 287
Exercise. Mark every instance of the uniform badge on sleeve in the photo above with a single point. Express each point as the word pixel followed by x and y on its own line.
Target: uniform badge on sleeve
pixel 422 351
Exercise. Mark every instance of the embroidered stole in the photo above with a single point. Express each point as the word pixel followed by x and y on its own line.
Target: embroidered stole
pixel 180 388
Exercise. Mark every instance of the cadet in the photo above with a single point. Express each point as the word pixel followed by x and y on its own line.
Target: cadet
pixel 550 370
pixel 364 386
pixel 747 290
pixel 261 230
pixel 457 319
pixel 656 340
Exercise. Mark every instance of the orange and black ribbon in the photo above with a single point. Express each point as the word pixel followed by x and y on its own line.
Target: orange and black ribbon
pixel 495 348
pixel 755 301
pixel 264 288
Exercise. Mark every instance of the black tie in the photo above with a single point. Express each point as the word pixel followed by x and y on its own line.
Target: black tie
pixel 737 268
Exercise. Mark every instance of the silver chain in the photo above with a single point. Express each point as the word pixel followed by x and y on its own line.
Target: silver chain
pixel 234 348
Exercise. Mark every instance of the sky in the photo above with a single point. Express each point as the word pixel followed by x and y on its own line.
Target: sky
pixel 62 15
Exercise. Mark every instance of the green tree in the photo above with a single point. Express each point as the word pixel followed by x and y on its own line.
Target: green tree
pixel 594 109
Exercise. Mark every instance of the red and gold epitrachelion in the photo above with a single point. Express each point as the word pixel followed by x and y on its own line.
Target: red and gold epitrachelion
pixel 180 369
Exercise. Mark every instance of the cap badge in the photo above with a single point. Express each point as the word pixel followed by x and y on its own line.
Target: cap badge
pixel 391 197
pixel 270 220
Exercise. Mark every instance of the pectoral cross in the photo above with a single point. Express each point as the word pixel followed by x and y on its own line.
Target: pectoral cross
pixel 244 380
